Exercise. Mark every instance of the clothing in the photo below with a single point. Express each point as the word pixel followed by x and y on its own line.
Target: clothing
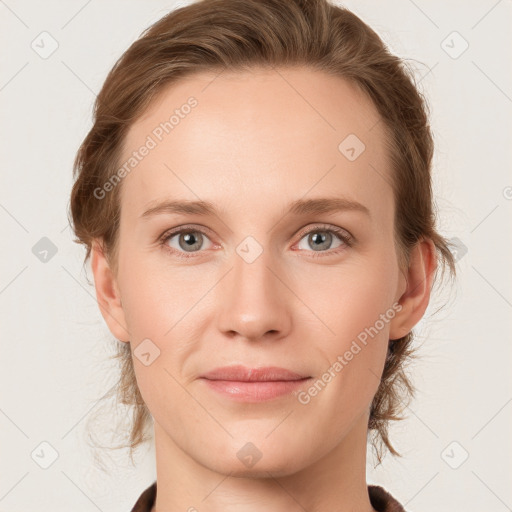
pixel 380 499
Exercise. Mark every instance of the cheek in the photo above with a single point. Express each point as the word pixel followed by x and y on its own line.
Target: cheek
pixel 349 298
pixel 355 307
pixel 353 355
pixel 153 300
pixel 163 311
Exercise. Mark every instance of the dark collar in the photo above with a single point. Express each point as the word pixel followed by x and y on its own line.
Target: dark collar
pixel 380 499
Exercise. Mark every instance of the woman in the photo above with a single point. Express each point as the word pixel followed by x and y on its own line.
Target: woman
pixel 255 196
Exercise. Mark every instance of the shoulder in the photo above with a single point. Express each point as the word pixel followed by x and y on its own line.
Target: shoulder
pixel 382 500
pixel 146 500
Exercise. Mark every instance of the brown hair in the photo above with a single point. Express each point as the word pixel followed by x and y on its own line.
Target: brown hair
pixel 215 35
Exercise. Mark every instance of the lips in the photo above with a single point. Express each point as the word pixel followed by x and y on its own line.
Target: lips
pixel 243 384
pixel 244 374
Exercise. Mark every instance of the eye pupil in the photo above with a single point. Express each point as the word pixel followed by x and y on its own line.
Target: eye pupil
pixel 188 237
pixel 320 239
pixel 191 241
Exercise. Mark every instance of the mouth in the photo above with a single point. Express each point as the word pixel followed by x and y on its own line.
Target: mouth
pixel 245 384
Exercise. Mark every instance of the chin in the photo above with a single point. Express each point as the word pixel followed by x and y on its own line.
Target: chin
pixel 261 469
pixel 257 459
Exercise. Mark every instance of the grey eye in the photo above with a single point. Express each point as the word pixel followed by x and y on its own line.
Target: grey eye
pixel 320 240
pixel 188 241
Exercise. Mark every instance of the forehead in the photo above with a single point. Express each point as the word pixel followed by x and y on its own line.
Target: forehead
pixel 273 133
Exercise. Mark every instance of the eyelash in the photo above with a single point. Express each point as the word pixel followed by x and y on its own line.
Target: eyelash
pixel 342 235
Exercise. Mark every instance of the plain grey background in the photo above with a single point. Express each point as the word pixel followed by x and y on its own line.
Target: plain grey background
pixel 54 343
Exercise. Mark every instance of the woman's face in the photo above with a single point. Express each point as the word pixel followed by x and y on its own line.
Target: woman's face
pixel 271 277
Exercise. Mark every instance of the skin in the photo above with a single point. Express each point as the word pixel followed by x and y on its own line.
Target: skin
pixel 256 142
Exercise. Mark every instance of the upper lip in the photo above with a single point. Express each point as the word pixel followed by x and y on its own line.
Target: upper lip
pixel 241 373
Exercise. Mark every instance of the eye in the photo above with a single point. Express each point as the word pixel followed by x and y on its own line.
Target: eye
pixel 185 240
pixel 321 238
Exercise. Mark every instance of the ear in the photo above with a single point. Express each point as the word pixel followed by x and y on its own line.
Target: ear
pixel 107 294
pixel 415 298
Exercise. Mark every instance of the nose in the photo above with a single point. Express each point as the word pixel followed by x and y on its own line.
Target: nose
pixel 254 301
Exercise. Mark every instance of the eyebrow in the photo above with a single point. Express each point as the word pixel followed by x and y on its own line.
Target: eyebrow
pixel 298 207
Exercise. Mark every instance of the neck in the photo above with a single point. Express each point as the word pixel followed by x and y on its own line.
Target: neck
pixel 335 482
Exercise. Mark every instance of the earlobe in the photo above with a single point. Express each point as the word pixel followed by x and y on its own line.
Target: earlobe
pixel 107 294
pixel 415 299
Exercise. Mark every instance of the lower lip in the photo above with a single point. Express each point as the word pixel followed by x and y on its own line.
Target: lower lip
pixel 255 391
